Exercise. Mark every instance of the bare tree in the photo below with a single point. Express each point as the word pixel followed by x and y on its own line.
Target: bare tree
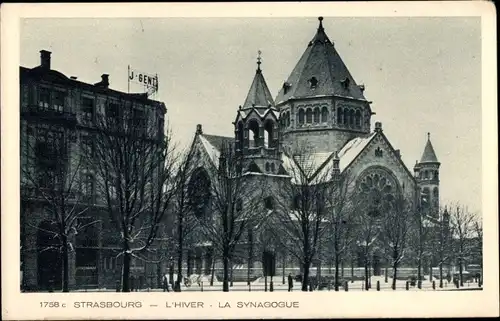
pixel 462 226
pixel 395 230
pixel 183 205
pixel 368 230
pixel 340 213
pixel 442 240
pixel 51 172
pixel 135 162
pixel 236 201
pixel 478 230
pixel 301 217
pixel 420 238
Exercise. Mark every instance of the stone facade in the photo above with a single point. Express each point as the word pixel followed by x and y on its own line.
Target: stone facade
pixel 54 106
pixel 322 108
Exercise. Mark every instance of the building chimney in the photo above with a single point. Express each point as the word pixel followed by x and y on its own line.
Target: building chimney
pixel 105 80
pixel 73 77
pixel 378 126
pixel 45 59
pixel 398 153
pixel 199 130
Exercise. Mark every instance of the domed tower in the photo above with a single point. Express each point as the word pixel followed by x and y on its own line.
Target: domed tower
pixel 427 176
pixel 320 102
pixel 256 128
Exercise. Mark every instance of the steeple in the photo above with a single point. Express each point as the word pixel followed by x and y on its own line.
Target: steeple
pixel 321 97
pixel 320 71
pixel 429 156
pixel 259 94
pixel 427 177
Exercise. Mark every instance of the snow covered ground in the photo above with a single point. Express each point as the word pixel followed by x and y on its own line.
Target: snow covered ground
pixel 259 285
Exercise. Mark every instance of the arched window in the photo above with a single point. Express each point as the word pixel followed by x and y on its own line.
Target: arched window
pixel 296 202
pixel 301 116
pixel 346 117
pixel 351 118
pixel 324 115
pixel 255 140
pixel 272 167
pixel 269 203
pixel 240 136
pixel 339 116
pixel 358 119
pixel 436 175
pixel 426 174
pixel 268 167
pixel 268 134
pixel 309 115
pixel 287 119
pixel 316 115
pixel 426 196
pixel 199 192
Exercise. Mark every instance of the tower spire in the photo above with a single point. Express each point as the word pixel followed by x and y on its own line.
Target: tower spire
pixel 429 155
pixel 259 60
pixel 320 23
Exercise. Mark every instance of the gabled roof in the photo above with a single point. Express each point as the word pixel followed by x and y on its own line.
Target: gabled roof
pixel 321 61
pixel 213 145
pixel 259 94
pixel 346 155
pixel 352 149
pixel 429 156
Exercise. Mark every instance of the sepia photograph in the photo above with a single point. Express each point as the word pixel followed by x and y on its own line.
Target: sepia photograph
pixel 174 156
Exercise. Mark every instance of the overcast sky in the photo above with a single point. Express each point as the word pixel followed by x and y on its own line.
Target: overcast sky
pixel 422 74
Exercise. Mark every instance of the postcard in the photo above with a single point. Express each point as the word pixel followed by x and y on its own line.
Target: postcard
pixel 237 160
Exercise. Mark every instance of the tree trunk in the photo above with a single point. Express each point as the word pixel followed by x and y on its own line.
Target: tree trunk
pixel 189 263
pixel 440 274
pixel 225 280
pixel 366 274
pixel 352 270
pixel 460 270
pixel 394 275
pixel 305 277
pixel 65 281
pixel 171 273
pixel 158 275
pixel 180 252
pixel 177 285
pixel 213 271
pixel 337 272
pixel 419 271
pixel 283 269
pixel 127 257
pixel 231 269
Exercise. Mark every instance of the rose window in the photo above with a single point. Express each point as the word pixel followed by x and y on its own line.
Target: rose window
pixel 377 191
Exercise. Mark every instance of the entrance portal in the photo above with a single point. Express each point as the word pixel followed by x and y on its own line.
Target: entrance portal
pixel 49 266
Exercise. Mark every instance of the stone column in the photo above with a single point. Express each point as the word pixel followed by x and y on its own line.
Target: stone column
pixel 260 142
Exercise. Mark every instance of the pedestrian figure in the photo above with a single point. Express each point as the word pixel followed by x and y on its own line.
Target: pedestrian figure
pixel 165 283
pixel 290 282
